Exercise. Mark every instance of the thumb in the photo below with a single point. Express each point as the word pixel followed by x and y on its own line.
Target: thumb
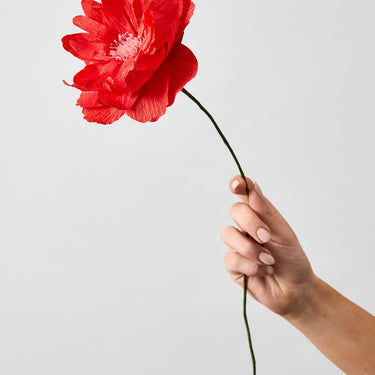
pixel 267 212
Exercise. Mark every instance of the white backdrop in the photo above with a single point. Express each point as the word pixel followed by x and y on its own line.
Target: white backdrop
pixel 111 257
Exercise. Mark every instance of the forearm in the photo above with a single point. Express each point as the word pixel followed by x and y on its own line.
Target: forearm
pixel 340 329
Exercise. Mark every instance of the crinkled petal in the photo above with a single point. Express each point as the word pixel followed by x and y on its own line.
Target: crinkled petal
pixel 103 15
pixel 167 14
pixel 188 12
pixel 95 28
pixel 182 66
pixel 147 33
pixel 119 76
pixel 140 7
pixel 160 91
pixel 86 47
pixel 144 68
pixel 94 111
pixel 89 99
pixel 123 100
pixel 163 22
pixel 103 115
pixel 94 76
pixel 123 10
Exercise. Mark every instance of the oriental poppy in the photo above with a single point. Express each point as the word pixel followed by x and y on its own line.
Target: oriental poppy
pixel 135 62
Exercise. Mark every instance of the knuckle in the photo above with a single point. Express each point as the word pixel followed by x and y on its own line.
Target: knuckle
pixel 236 209
pixel 230 261
pixel 238 279
pixel 248 250
pixel 270 212
pixel 226 260
pixel 226 233
pixel 253 269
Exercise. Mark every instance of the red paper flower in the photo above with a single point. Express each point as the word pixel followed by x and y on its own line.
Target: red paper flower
pixel 135 62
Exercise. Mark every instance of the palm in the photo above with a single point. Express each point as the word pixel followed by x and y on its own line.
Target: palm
pixel 293 274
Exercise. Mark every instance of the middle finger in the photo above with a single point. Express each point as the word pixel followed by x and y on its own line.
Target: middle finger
pixel 250 223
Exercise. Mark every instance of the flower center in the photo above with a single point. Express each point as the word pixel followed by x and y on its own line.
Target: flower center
pixel 125 47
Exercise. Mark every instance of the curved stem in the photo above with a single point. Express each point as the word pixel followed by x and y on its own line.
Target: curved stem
pixel 196 101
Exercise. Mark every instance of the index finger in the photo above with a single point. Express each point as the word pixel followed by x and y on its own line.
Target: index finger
pixel 266 211
pixel 256 200
pixel 238 186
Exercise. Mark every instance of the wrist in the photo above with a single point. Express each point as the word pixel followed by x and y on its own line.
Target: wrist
pixel 308 304
pixel 340 329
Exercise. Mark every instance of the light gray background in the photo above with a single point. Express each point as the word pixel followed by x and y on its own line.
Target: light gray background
pixel 111 258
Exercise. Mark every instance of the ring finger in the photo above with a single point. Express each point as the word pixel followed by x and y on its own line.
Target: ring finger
pixel 247 247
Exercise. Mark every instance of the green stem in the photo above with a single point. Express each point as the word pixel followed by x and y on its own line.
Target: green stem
pixel 247 323
pixel 196 101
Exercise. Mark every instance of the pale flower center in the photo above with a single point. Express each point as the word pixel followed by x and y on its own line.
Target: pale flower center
pixel 125 47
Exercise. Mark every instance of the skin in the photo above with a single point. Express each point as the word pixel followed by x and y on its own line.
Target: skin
pixel 284 281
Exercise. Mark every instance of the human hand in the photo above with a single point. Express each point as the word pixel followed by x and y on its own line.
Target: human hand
pixel 279 274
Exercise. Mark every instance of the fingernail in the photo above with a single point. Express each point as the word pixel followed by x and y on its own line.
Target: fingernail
pixel 270 270
pixel 257 189
pixel 235 184
pixel 266 259
pixel 263 234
